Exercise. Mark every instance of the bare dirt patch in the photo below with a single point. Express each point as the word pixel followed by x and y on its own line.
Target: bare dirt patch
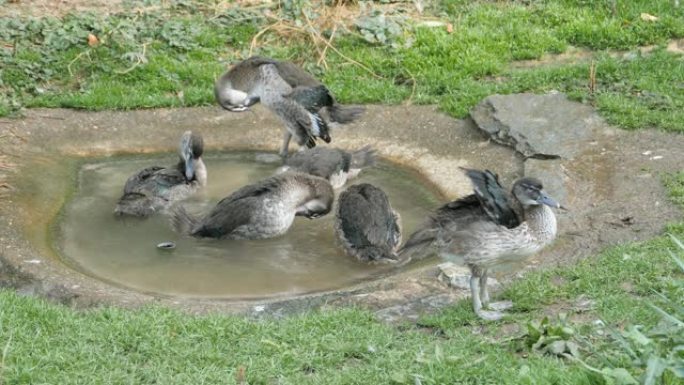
pixel 41 8
pixel 575 55
pixel 617 176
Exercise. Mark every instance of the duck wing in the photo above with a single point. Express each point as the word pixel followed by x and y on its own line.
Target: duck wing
pixel 236 209
pixel 312 98
pixel 435 232
pixel 136 181
pixel 313 93
pixel 155 181
pixel 302 124
pixel 493 198
pixel 366 217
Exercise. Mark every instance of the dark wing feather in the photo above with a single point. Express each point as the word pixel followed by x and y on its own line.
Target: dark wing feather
pixel 367 218
pixel 236 209
pixel 458 213
pixel 140 178
pixel 312 98
pixel 264 186
pixel 493 197
pixel 225 218
pixel 296 118
pixel 155 181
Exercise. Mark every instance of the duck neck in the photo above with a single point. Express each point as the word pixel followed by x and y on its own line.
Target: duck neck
pixel 200 172
pixel 542 222
pixel 299 192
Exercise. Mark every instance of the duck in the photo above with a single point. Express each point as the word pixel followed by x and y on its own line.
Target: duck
pixel 264 209
pixel 366 225
pixel 334 164
pixel 290 92
pixel 155 188
pixel 486 229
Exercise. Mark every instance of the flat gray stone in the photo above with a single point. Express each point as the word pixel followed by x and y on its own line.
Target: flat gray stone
pixel 538 125
pixel 458 276
pixel 552 174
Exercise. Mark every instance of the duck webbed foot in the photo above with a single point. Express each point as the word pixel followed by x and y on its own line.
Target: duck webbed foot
pixel 480 294
pixel 490 315
pixel 502 305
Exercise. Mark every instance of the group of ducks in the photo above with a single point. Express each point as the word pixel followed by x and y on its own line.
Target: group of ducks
pixel 484 229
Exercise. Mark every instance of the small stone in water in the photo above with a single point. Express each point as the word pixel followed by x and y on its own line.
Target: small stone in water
pixel 166 245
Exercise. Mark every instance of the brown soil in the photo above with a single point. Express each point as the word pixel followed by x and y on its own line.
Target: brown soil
pixel 40 8
pixel 615 193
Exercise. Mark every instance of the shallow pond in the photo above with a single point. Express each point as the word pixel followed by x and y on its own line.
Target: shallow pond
pixel 306 259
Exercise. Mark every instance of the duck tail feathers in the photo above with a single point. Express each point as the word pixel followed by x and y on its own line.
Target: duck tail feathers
pixel 376 254
pixel 345 114
pixel 321 128
pixel 363 157
pixel 136 205
pixel 419 245
pixel 182 222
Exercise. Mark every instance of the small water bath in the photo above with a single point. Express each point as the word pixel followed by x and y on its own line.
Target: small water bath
pixel 307 259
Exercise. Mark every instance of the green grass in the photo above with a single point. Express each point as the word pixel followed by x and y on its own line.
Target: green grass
pixel 49 344
pixel 185 49
pixel 52 65
pixel 46 343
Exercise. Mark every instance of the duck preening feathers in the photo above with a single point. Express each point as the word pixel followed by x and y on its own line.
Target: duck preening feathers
pixel 291 93
pixel 155 188
pixel 366 225
pixel 488 228
pixel 264 209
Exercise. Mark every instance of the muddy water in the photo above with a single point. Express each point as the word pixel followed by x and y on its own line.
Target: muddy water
pixel 306 259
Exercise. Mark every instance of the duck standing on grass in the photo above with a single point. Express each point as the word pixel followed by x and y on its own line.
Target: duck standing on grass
pixel 334 164
pixel 155 188
pixel 291 93
pixel 264 209
pixel 485 230
pixel 366 225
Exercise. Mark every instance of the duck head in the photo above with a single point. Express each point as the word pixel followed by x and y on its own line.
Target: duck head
pixel 530 192
pixel 319 200
pixel 190 150
pixel 230 98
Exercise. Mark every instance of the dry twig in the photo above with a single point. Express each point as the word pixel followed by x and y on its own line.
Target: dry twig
pixel 78 57
pixel 281 25
pixel 592 78
pixel 139 60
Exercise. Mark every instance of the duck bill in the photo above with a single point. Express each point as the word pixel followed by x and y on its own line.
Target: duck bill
pixel 547 200
pixel 189 161
pixel 250 101
pixel 189 169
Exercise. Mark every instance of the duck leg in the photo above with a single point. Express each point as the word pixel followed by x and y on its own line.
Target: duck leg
pixel 475 292
pixel 286 143
pixel 484 292
pixel 478 287
pixel 484 295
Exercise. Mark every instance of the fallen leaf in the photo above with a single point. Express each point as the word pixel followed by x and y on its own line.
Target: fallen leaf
pixel 240 375
pixel 93 40
pixel 648 17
